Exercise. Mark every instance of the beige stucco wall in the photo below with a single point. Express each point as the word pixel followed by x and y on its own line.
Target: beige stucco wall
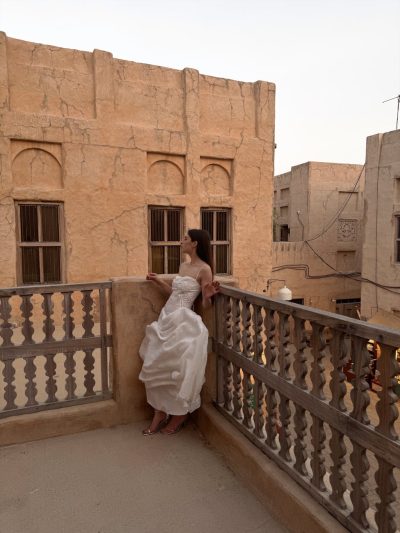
pixel 382 204
pixel 308 199
pixel 109 137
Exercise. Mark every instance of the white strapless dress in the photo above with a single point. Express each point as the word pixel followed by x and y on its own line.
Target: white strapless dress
pixel 174 352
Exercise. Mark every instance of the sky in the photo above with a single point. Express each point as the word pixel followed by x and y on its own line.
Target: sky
pixel 333 61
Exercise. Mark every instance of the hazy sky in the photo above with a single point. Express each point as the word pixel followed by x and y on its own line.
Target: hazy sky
pixel 333 61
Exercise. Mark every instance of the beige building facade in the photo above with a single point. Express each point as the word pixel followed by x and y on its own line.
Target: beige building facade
pixel 381 247
pixel 106 162
pixel 318 211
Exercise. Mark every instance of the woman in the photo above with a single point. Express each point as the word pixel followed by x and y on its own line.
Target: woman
pixel 174 350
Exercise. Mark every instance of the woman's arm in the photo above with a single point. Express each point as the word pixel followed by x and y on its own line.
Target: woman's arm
pixel 164 287
pixel 208 287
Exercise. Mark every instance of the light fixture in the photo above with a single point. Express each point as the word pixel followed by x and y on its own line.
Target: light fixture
pixel 284 293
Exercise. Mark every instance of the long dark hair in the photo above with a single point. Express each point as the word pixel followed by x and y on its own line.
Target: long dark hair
pixel 203 250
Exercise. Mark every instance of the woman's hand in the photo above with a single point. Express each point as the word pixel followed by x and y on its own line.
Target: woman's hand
pixel 162 285
pixel 210 289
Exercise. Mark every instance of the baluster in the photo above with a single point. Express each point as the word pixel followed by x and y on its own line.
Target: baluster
pixel 300 359
pixel 337 477
pixel 284 352
pixel 69 363
pixel 236 377
pixel 9 389
pixel 386 407
pixel 259 417
pixel 51 385
pixel 257 339
pixel 68 321
pixel 300 426
pixel 48 323
pixel 300 372
pixel 359 469
pixel 317 368
pixel 359 393
pixel 87 307
pixel 89 380
pixel 70 381
pixel 236 325
pixel 337 444
pixel 338 377
pixel 248 398
pixel 385 487
pixel 227 365
pixel 5 314
pixel 318 437
pixel 30 387
pixel 27 325
pixel 284 404
pixel 271 355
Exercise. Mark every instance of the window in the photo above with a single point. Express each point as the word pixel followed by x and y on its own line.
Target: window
pixel 39 242
pixel 218 224
pixel 285 232
pixel 166 227
pixel 397 218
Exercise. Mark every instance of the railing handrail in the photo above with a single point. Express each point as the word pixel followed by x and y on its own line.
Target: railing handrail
pixel 55 287
pixel 344 324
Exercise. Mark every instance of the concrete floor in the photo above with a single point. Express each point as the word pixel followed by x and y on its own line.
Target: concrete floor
pixel 116 481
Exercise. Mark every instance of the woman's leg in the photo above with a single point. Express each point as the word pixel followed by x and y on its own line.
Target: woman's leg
pixel 159 418
pixel 175 424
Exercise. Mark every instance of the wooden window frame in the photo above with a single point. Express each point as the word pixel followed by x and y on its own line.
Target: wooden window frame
pixel 215 242
pixel 40 244
pixel 165 243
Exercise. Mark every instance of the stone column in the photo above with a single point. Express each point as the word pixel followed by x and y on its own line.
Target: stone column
pixel 4 93
pixel 193 143
pixel 103 84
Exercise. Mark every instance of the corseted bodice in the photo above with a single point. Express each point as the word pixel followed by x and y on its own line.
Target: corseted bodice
pixel 185 290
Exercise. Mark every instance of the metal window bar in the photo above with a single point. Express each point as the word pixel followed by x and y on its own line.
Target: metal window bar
pixel 166 227
pixel 32 228
pixel 217 222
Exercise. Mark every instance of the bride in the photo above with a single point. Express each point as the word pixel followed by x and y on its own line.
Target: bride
pixel 174 350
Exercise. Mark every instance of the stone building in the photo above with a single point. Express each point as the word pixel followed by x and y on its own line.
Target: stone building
pixel 106 162
pixel 319 203
pixel 381 247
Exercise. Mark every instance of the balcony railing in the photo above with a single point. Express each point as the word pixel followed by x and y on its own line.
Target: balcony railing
pixel 281 382
pixel 54 346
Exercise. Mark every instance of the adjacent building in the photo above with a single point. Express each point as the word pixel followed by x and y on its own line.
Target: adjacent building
pixel 380 295
pixel 317 224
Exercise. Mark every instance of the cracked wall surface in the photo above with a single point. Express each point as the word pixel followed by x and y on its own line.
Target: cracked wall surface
pixel 108 137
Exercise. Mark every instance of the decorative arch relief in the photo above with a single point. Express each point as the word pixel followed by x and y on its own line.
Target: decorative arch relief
pixel 216 176
pixel 36 164
pixel 165 174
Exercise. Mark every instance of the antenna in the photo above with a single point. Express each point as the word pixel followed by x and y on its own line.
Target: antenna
pixel 398 105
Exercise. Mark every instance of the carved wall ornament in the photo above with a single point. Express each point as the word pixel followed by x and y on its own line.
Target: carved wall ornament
pixel 347 230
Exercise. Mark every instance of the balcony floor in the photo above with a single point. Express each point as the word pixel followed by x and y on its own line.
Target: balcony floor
pixel 115 481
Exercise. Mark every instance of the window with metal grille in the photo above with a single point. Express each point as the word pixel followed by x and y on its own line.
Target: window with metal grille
pixel 285 232
pixel 398 239
pixel 39 242
pixel 165 232
pixel 217 221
